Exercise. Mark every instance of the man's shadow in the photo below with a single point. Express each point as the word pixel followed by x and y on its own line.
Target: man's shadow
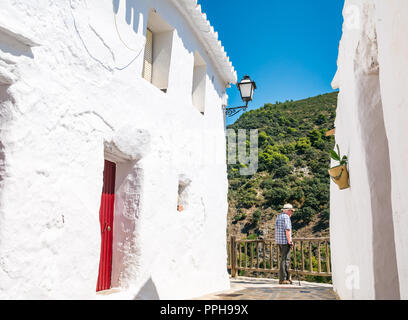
pixel 148 291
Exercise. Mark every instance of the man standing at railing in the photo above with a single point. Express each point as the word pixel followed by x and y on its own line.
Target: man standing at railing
pixel 283 237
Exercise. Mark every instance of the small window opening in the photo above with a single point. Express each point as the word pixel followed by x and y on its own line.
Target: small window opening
pixel 158 48
pixel 182 196
pixel 199 79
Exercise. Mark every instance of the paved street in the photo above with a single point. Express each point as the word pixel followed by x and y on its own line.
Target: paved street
pixel 244 288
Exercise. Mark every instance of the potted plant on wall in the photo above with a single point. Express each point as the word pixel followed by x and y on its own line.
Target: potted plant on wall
pixel 339 174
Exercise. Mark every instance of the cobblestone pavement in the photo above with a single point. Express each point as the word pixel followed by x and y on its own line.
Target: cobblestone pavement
pixel 244 288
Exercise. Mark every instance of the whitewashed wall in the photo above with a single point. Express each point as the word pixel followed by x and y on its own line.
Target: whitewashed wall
pixel 369 253
pixel 74 91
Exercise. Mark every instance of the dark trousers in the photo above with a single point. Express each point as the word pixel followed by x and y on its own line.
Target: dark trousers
pixel 284 262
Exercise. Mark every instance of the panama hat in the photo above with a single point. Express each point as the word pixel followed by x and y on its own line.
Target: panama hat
pixel 288 206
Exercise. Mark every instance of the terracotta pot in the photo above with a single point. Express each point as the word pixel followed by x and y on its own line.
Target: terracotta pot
pixel 340 176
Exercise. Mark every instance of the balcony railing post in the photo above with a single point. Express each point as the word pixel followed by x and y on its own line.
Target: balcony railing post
pixel 233 257
pixel 251 248
pixel 319 260
pixel 228 254
pixel 239 255
pixel 257 254
pixel 246 255
pixel 327 258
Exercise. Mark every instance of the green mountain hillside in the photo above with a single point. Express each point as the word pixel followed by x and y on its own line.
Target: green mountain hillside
pixel 294 156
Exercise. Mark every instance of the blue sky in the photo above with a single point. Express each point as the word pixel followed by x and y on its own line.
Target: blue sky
pixel 289 47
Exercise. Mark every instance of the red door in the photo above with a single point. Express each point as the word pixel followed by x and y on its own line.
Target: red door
pixel 106 221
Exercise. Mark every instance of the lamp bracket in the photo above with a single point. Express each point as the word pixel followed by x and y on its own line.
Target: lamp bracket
pixel 229 112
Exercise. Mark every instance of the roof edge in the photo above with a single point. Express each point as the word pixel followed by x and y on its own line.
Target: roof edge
pixel 191 11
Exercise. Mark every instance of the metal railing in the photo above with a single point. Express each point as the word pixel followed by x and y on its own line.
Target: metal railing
pixel 309 256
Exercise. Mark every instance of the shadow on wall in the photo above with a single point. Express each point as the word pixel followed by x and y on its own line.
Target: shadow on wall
pixel 2 172
pixel 12 47
pixel 379 178
pixel 2 166
pixel 375 144
pixel 9 44
pixel 130 11
pixel 148 291
pixel 5 115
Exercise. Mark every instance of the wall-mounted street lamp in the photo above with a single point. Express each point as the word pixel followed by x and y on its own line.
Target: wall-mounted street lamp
pixel 246 88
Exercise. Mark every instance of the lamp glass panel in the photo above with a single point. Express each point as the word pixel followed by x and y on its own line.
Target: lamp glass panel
pixel 246 90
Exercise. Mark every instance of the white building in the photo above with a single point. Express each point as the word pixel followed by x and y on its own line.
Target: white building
pixel 368 223
pixel 135 87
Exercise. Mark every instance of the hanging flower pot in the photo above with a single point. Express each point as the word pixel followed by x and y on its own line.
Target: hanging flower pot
pixel 339 174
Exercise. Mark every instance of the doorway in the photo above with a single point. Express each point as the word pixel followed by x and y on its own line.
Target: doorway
pixel 106 223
